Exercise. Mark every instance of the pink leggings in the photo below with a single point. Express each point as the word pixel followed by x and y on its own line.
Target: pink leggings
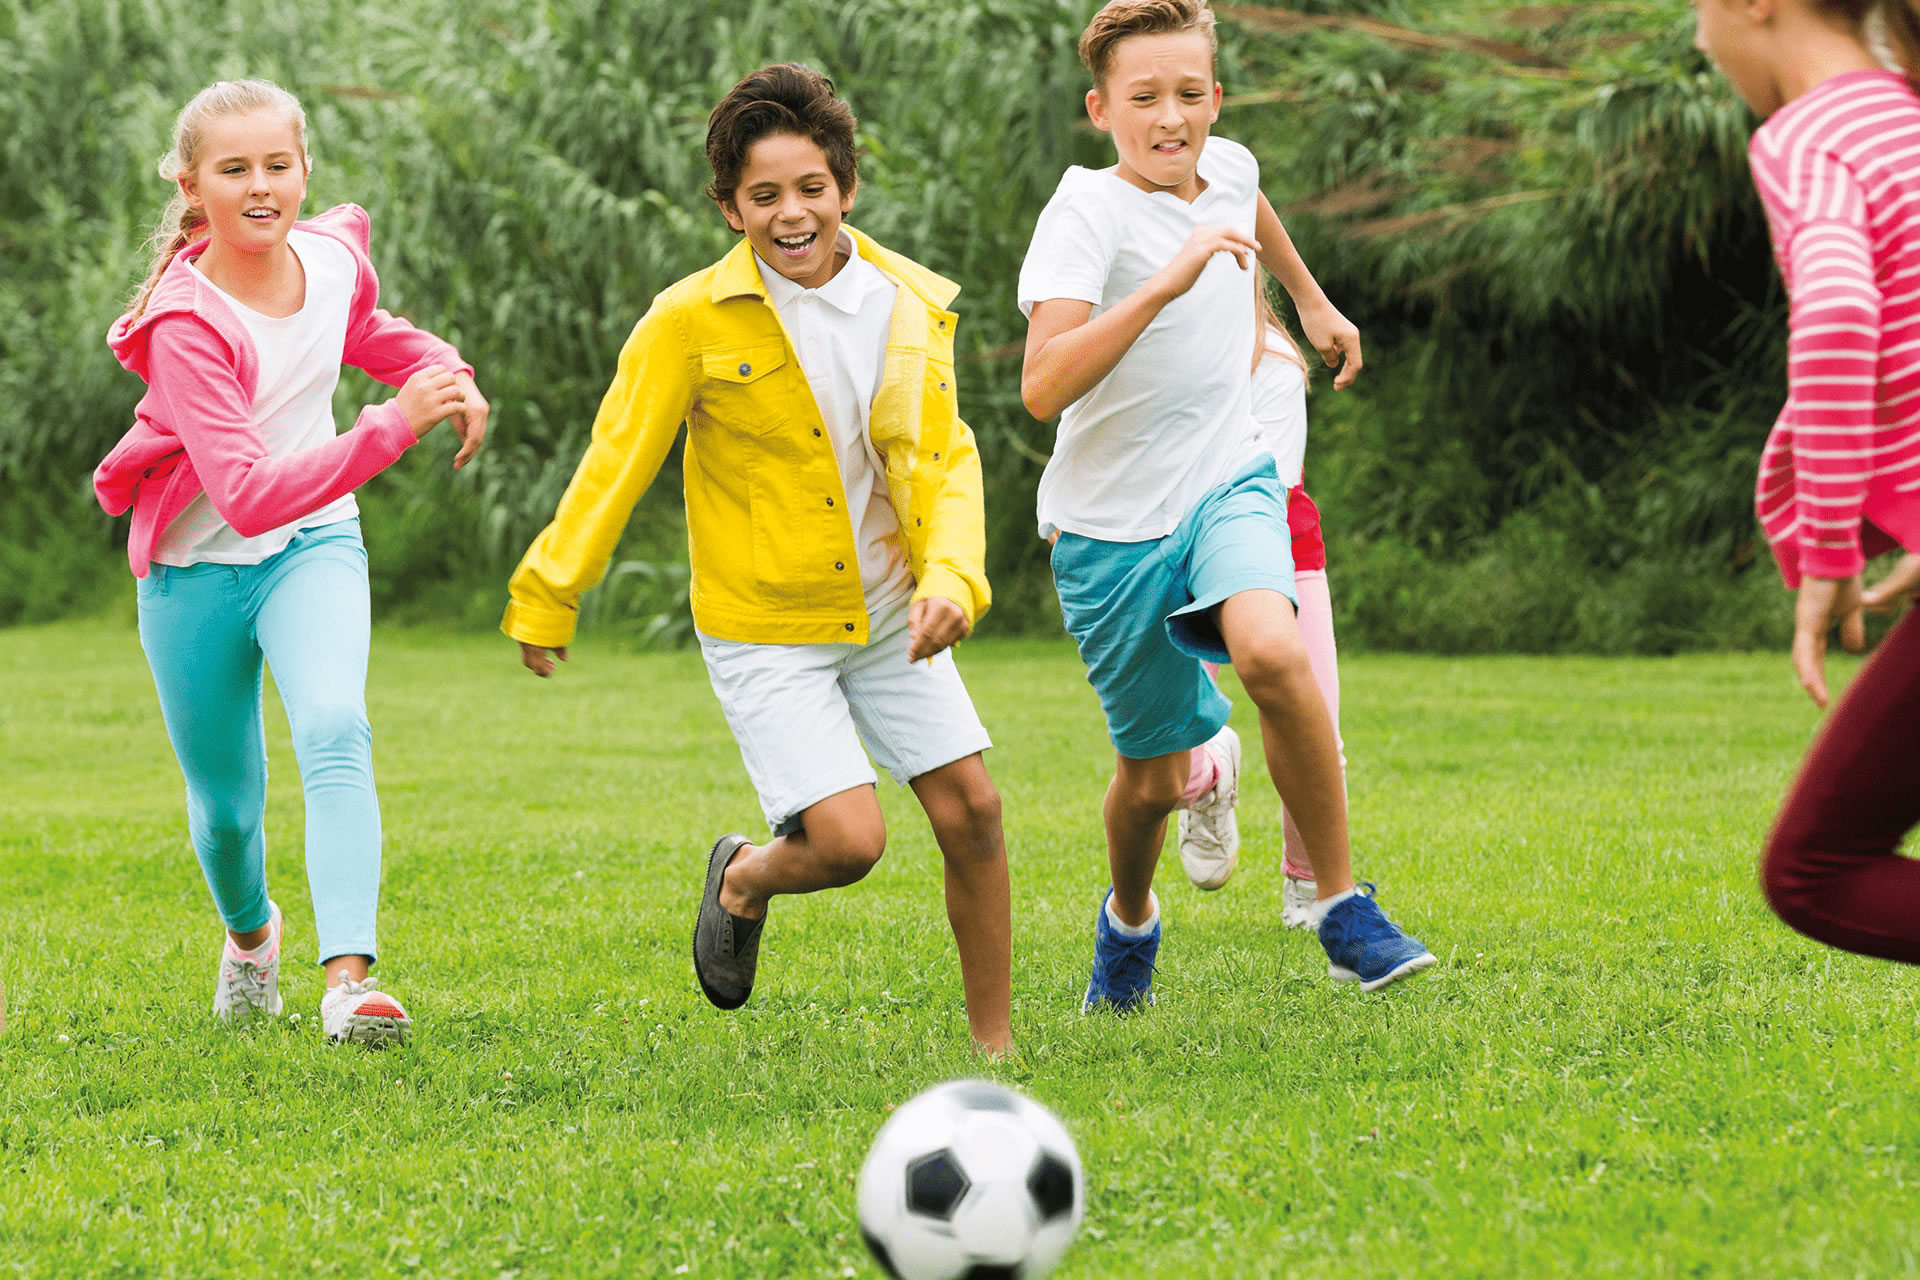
pixel 1316 629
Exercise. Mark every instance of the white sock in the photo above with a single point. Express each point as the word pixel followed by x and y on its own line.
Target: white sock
pixel 1126 930
pixel 256 953
pixel 1324 905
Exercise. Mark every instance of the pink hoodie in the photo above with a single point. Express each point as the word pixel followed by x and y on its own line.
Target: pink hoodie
pixel 194 429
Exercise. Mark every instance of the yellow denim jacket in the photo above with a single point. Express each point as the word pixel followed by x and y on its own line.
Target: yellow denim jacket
pixel 772 546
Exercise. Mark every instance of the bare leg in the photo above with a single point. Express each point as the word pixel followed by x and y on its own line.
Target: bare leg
pixel 840 840
pixel 964 808
pixel 1271 660
pixel 355 968
pixel 1141 795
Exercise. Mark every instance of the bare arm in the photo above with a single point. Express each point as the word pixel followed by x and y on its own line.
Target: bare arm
pixel 1333 335
pixel 1068 353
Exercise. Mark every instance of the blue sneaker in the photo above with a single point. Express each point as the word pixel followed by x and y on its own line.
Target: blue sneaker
pixel 1122 966
pixel 1364 946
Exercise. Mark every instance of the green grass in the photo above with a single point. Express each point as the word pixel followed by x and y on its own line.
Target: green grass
pixel 1622 1066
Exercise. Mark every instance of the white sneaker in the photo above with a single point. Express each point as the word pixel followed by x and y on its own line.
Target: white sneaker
pixel 1209 833
pixel 360 1013
pixel 249 981
pixel 1296 903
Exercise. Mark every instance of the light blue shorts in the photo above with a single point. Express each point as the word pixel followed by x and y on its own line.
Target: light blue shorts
pixel 1143 612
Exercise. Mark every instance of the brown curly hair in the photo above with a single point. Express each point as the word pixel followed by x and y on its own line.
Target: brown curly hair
pixel 783 98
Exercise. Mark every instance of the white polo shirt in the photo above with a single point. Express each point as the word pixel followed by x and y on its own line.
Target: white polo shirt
pixel 292 402
pixel 840 334
pixel 1174 418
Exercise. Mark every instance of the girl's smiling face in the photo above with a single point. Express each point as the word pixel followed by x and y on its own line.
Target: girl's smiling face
pixel 790 206
pixel 1159 100
pixel 250 179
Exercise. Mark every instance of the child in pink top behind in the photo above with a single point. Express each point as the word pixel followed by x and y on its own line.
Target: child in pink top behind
pixel 1838 166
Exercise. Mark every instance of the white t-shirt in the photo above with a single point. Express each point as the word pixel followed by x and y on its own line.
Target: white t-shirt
pixel 1137 452
pixel 292 402
pixel 1280 408
pixel 840 332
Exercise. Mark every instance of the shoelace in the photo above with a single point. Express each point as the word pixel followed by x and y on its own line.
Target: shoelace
pixel 246 982
pixel 350 988
pixel 1131 960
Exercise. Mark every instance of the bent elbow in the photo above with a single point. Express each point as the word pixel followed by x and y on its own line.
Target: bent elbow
pixel 1038 402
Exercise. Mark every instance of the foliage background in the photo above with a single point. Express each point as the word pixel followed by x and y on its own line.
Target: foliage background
pixel 1539 216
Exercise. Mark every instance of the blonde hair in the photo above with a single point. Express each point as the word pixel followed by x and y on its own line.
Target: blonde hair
pixel 1120 19
pixel 181 224
pixel 1898 23
pixel 1267 321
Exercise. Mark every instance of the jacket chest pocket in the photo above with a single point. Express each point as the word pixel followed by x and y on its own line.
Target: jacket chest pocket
pixel 739 391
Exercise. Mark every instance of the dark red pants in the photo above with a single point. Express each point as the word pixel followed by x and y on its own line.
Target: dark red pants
pixel 1830 868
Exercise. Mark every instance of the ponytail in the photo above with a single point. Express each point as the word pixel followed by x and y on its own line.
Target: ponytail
pixel 181 224
pixel 1892 27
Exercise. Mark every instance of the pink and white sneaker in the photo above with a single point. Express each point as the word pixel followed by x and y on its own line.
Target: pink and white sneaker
pixel 360 1013
pixel 1209 832
pixel 249 981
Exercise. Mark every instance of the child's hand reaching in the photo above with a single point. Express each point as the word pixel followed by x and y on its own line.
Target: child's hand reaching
pixel 1180 275
pixel 470 421
pixel 934 624
pixel 429 397
pixel 1336 338
pixel 539 659
pixel 1903 583
pixel 1825 603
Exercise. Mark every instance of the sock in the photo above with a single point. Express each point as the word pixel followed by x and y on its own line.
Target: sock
pixel 258 953
pixel 1325 905
pixel 1206 772
pixel 1134 930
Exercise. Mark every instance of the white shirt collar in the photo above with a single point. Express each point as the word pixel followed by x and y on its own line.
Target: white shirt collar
pixel 844 293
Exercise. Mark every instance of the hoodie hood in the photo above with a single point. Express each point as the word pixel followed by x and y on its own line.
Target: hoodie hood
pixel 182 290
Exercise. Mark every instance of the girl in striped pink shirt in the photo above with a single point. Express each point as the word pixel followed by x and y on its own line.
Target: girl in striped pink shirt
pixel 1838 166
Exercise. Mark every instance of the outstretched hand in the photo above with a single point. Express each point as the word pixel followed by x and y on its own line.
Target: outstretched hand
pixel 1824 604
pixel 933 624
pixel 539 659
pixel 470 420
pixel 1886 595
pixel 1337 339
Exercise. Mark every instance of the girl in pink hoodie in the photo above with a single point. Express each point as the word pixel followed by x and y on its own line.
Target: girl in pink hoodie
pixel 245 537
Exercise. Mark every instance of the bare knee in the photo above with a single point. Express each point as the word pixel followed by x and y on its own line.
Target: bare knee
pixel 851 854
pixel 1274 671
pixel 1148 795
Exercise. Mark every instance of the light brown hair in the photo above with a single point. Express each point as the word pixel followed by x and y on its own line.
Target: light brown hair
pixel 1266 320
pixel 1122 19
pixel 181 224
pixel 1900 19
pixel 783 98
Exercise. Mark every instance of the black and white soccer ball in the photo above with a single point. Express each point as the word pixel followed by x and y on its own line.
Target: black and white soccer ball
pixel 970 1181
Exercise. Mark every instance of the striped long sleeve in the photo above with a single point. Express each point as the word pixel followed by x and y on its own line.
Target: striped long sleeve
pixel 1841 471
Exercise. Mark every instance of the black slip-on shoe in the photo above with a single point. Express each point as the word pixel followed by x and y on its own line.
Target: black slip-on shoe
pixel 726 947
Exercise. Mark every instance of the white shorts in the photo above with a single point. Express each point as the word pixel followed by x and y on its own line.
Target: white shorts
pixel 801 711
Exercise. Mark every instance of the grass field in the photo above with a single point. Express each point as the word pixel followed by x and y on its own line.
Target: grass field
pixel 1623 1066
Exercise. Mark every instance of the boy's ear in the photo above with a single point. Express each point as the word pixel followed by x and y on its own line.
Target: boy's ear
pixel 1097 111
pixel 846 198
pixel 731 214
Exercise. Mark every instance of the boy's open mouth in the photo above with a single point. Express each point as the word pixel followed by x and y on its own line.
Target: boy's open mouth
pixel 796 246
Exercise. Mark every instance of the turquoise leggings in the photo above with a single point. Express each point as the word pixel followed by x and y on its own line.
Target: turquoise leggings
pixel 206 630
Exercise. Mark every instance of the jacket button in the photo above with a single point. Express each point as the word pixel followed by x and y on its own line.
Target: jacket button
pixel 745 369
pixel 943 386
pixel 829 501
pixel 839 564
pixel 816 432
pixel 943 324
pixel 936 457
pixel 916 522
pixel 849 626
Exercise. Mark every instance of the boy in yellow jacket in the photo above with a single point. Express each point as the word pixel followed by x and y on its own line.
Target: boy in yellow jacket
pixel 836 527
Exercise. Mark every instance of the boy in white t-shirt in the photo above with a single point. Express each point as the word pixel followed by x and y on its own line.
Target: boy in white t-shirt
pixel 1168 521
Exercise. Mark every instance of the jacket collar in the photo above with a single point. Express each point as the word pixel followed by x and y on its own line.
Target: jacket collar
pixel 738 276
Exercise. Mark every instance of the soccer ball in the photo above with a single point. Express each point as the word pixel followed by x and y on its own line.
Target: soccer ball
pixel 970 1181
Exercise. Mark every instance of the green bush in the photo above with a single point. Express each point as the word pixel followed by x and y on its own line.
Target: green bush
pixel 1540 217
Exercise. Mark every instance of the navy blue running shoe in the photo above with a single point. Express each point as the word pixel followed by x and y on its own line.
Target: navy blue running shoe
pixel 1122 966
pixel 1364 946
